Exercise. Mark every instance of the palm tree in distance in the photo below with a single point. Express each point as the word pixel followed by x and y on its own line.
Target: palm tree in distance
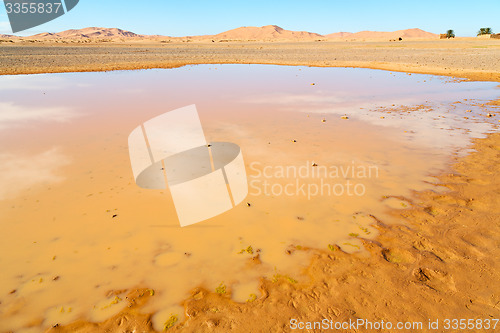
pixel 484 31
pixel 450 34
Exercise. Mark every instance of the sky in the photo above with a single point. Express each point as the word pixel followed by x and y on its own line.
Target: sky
pixel 200 17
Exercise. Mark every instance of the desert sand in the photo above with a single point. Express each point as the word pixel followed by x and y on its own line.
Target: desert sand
pixel 102 49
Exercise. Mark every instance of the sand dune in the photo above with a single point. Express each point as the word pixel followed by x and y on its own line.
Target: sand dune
pixel 8 36
pixel 265 33
pixel 91 32
pixel 407 33
pixel 339 35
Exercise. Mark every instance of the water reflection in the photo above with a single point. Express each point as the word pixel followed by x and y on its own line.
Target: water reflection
pixel 13 115
pixel 19 173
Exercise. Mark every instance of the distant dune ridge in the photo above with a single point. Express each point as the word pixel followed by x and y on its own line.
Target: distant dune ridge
pixel 265 33
pixel 408 33
pixel 339 35
pixel 91 32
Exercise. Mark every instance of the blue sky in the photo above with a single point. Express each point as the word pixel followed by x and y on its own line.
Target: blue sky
pixel 197 17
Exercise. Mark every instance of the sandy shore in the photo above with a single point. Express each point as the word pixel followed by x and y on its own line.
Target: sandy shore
pixel 442 264
pixel 475 59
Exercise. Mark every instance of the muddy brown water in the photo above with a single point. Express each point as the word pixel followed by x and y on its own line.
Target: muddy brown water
pixel 326 150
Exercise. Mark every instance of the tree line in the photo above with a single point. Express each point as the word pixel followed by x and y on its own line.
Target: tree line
pixel 482 31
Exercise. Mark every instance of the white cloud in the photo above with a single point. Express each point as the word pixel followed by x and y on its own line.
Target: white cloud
pixel 12 114
pixel 20 172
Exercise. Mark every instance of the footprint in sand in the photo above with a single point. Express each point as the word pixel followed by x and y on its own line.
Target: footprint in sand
pixel 435 279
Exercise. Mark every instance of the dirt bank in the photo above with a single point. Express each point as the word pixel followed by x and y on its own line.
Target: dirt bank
pixel 471 59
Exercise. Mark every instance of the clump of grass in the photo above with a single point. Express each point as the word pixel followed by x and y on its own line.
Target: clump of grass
pixel 171 321
pixel 353 234
pixel 151 292
pixel 365 230
pixel 116 300
pixel 332 247
pixel 221 289
pixel 277 277
pixel 248 250
pixel 353 245
pixel 252 298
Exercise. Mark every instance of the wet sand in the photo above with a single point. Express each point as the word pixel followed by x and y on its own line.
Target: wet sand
pixel 442 264
pixel 475 59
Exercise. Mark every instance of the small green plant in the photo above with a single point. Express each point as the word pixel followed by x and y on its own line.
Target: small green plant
pixel 353 234
pixel 353 245
pixel 116 300
pixel 248 250
pixel 170 322
pixel 484 31
pixel 450 34
pixel 332 247
pixel 365 230
pixel 277 277
pixel 221 289
pixel 252 298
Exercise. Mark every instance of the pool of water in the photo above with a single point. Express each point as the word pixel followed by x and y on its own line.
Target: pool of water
pixel 326 151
